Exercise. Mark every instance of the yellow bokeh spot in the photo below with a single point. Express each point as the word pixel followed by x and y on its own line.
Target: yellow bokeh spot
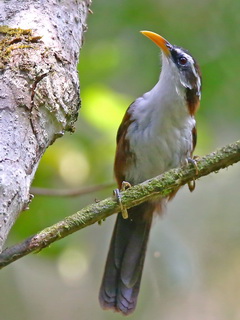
pixel 104 108
pixel 74 168
pixel 72 265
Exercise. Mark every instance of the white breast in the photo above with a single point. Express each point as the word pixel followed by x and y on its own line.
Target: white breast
pixel 161 135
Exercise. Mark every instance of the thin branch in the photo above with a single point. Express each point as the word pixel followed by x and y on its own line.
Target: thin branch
pixel 160 186
pixel 70 193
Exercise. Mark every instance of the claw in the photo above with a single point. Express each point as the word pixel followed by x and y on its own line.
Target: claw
pixel 192 184
pixel 125 185
pixel 194 163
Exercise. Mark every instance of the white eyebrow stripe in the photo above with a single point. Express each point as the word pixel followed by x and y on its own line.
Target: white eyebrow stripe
pixel 190 59
pixel 187 56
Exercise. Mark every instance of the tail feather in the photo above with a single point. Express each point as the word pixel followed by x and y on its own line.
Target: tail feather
pixel 123 270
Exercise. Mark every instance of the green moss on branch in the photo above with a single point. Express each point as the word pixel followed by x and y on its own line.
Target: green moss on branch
pixel 160 186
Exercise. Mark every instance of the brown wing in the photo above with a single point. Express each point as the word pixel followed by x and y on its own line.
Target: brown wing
pixel 123 155
pixel 194 137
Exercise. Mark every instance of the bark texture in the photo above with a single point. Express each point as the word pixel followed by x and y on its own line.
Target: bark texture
pixel 39 90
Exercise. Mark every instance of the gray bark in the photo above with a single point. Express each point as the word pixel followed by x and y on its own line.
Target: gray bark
pixel 39 90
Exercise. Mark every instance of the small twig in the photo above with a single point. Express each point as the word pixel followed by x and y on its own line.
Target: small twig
pixel 70 193
pixel 160 186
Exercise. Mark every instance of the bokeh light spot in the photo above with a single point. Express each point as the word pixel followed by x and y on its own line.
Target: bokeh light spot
pixel 74 168
pixel 72 265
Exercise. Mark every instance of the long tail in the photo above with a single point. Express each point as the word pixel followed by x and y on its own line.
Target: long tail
pixel 123 270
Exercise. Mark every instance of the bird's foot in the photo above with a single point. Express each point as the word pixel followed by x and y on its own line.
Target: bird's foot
pixel 125 185
pixel 192 184
pixel 194 163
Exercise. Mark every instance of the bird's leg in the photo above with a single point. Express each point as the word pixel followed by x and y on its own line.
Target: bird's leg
pixel 194 163
pixel 192 184
pixel 125 185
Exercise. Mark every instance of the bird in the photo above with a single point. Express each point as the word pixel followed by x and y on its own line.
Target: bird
pixel 157 133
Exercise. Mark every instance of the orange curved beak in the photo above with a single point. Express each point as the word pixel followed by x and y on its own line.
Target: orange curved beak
pixel 162 43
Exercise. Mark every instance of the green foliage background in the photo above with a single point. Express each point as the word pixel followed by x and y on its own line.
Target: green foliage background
pixel 192 265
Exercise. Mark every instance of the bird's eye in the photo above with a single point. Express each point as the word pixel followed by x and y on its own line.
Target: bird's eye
pixel 182 61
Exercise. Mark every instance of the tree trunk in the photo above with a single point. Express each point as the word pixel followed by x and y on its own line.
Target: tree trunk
pixel 39 90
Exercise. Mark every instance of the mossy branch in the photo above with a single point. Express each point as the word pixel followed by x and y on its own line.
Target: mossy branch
pixel 160 186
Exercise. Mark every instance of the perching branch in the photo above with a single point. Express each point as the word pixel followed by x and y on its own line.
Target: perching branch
pixel 160 186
